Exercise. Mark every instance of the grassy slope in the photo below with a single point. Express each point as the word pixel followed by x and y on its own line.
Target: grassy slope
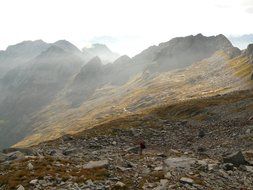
pixel 216 75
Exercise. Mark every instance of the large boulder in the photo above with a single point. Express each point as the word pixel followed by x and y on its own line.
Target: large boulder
pixel 236 159
pixel 180 163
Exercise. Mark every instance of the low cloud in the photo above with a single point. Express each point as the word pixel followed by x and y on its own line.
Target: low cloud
pixel 250 10
pixel 247 3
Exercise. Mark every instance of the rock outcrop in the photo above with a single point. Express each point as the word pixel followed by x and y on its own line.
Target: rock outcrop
pixel 249 52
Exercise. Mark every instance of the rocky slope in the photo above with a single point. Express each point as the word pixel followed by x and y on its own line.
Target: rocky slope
pixel 216 75
pixel 196 144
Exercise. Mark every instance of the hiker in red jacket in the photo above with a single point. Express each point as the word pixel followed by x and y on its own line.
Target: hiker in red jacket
pixel 142 146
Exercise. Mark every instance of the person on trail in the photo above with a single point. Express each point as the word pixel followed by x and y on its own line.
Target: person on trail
pixel 142 145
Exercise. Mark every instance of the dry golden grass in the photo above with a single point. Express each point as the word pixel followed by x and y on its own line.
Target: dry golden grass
pixel 18 172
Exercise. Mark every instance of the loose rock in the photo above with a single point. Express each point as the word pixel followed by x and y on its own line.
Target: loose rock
pixel 96 164
pixel 186 180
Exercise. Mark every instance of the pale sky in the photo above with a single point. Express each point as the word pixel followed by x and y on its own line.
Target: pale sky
pixel 126 26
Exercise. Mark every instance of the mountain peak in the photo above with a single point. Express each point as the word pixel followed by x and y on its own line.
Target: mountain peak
pixel 222 39
pixel 199 35
pixel 102 51
pixel 67 46
pixel 219 42
pixel 97 49
pixel 27 47
pixel 123 59
pixel 95 61
pixel 180 52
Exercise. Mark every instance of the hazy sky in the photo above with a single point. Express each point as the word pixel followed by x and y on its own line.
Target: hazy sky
pixel 127 26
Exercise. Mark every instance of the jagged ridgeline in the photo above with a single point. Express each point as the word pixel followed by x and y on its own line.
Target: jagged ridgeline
pixel 48 90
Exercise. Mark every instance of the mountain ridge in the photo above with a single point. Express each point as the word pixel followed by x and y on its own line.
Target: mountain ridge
pixel 83 94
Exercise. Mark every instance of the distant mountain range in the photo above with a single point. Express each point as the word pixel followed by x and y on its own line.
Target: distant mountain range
pixel 48 90
pixel 22 53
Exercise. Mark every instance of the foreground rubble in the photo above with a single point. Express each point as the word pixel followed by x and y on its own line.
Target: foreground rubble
pixel 110 160
pixel 215 153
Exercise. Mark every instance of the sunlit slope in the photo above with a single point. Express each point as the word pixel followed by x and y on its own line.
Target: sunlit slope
pixel 216 75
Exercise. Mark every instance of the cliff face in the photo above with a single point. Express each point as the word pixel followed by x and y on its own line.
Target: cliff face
pixel 249 52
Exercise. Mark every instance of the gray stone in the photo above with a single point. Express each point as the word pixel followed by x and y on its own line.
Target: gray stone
pixel 180 162
pixel 228 166
pixel 30 166
pixel 158 168
pixel 164 182
pixel 67 138
pixel 96 164
pixel 247 168
pixel 249 130
pixel 212 167
pixel 186 180
pixel 68 152
pixel 120 184
pixel 123 169
pixel 20 187
pixel 168 175
pixel 134 150
pixel 34 182
pixel 89 182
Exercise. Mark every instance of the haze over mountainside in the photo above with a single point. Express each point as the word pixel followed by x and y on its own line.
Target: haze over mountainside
pixel 126 95
pixel 59 92
pixel 101 50
pixel 19 54
pixel 27 89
